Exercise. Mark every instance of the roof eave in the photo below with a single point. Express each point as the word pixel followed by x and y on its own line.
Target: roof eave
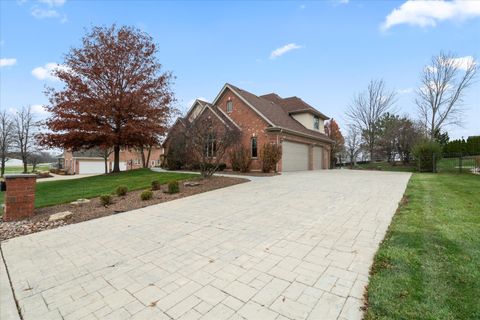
pixel 314 112
pixel 300 134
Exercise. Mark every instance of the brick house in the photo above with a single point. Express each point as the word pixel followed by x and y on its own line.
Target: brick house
pixel 290 122
pixel 92 161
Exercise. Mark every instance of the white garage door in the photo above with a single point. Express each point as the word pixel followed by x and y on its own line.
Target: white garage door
pixel 89 167
pixel 317 158
pixel 294 156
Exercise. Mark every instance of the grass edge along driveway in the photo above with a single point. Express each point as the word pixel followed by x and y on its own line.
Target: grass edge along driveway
pixel 51 193
pixel 428 265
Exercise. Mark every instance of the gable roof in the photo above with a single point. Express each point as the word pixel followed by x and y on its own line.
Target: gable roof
pixel 295 105
pixel 274 111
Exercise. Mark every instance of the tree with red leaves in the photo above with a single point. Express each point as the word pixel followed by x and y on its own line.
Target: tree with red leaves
pixel 332 130
pixel 115 93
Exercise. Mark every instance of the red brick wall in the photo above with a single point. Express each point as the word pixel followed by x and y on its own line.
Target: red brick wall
pixel 251 123
pixel 19 197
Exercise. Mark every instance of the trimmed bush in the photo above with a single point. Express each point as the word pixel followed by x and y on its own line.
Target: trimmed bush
pixel 222 166
pixel 146 195
pixel 121 191
pixel 106 200
pixel 427 153
pixel 270 154
pixel 241 159
pixel 156 185
pixel 173 187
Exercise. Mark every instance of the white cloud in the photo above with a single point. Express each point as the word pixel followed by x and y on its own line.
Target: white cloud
pixel 45 72
pixel 5 62
pixel 463 62
pixel 427 13
pixel 302 7
pixel 405 91
pixel 41 13
pixel 38 109
pixel 53 3
pixel 282 50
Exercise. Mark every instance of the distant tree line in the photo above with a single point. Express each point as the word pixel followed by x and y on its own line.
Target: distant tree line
pixel 376 132
pixel 17 140
pixel 471 146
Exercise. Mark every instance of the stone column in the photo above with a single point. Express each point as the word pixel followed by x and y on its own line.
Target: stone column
pixel 19 196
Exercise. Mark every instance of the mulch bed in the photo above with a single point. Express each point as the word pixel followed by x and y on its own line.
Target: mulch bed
pixel 94 209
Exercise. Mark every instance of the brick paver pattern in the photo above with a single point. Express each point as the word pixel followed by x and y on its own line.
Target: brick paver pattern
pixel 296 246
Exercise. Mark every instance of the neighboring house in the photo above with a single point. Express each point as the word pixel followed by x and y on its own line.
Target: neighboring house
pixel 291 122
pixel 92 160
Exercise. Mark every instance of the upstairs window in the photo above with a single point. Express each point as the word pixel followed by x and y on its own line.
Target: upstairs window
pixel 316 123
pixel 229 106
pixel 254 148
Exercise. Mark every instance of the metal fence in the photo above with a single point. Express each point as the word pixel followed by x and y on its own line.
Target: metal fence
pixel 456 163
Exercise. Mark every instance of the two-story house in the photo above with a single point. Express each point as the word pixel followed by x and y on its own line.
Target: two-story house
pixel 290 122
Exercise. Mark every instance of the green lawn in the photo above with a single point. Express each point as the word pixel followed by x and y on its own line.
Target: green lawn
pixel 444 165
pixel 56 192
pixel 19 169
pixel 428 266
pixel 385 166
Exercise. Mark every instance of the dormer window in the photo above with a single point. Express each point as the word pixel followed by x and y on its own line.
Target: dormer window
pixel 316 123
pixel 229 106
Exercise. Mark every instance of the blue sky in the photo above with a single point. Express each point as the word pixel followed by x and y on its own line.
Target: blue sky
pixel 323 51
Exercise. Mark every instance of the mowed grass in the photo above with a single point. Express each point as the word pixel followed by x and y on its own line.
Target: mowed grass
pixel 57 192
pixel 19 169
pixel 386 166
pixel 428 266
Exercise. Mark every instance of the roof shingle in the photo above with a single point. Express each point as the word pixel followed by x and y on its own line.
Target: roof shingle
pixel 277 111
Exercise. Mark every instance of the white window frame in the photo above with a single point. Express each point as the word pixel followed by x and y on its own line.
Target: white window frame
pixel 229 106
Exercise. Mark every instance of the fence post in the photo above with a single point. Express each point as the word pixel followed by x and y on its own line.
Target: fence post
pixel 460 163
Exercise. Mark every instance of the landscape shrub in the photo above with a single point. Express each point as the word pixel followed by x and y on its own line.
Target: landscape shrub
pixel 146 195
pixel 106 200
pixel 222 166
pixel 427 154
pixel 241 159
pixel 270 154
pixel 156 185
pixel 173 187
pixel 121 191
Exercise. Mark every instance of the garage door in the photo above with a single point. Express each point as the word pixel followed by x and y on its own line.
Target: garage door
pixel 89 167
pixel 317 158
pixel 294 156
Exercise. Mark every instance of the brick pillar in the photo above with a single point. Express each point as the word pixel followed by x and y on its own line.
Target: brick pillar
pixel 19 196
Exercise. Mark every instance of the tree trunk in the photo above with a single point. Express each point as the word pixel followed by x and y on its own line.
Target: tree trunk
pixel 148 156
pixel 3 166
pixel 142 154
pixel 116 158
pixel 106 165
pixel 25 169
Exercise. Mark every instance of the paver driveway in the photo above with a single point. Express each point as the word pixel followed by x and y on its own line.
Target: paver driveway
pixel 296 246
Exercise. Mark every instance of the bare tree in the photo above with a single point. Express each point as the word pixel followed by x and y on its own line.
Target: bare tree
pixel 367 108
pixel 353 144
pixel 6 138
pixel 24 134
pixel 209 141
pixel 440 96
